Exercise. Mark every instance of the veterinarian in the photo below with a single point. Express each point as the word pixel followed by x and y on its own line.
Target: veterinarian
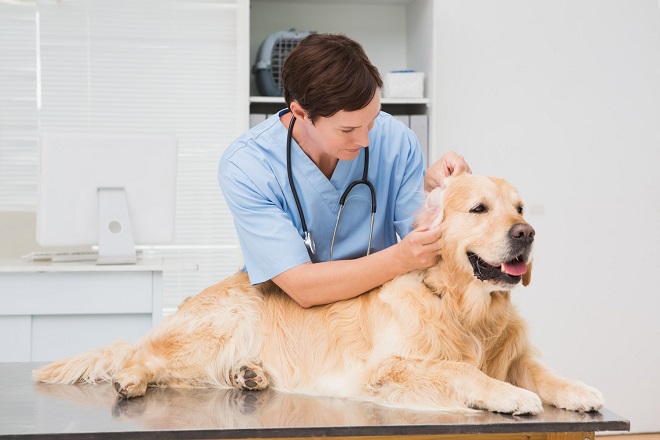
pixel 333 91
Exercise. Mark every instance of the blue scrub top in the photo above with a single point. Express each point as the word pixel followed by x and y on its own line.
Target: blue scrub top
pixel 253 178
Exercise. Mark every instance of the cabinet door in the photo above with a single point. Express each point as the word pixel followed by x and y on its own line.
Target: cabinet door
pixel 50 293
pixel 15 342
pixel 50 315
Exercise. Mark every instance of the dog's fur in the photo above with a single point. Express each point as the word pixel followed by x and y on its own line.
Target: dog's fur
pixel 445 338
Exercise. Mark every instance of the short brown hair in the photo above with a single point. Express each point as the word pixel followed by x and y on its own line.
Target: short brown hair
pixel 327 73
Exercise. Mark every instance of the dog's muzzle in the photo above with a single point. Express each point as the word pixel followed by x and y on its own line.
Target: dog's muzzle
pixel 510 271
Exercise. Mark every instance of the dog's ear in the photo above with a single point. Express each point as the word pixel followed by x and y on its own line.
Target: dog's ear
pixel 527 276
pixel 431 215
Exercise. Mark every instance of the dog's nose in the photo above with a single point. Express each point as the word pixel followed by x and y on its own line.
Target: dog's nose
pixel 522 232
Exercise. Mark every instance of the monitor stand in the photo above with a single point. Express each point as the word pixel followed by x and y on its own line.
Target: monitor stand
pixel 116 243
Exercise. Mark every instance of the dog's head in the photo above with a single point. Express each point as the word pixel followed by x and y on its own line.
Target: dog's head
pixel 484 234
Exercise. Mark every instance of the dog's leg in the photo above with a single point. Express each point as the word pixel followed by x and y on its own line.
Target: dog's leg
pixel 131 381
pixel 248 375
pixel 140 369
pixel 446 385
pixel 554 389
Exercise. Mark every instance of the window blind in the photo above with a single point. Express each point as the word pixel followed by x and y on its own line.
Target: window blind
pixel 18 107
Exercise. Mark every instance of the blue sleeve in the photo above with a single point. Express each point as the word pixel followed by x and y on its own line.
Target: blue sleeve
pixel 268 239
pixel 410 195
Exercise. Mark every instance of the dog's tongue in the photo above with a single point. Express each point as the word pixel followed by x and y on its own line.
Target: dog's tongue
pixel 515 268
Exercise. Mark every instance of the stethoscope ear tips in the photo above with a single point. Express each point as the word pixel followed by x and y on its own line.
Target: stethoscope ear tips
pixel 309 242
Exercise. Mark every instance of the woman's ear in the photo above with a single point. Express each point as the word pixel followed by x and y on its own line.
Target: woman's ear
pixel 297 110
pixel 527 276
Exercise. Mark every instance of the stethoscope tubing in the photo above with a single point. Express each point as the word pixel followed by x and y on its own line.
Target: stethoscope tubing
pixel 307 236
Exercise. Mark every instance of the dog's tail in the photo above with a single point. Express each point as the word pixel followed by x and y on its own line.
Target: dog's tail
pixel 91 367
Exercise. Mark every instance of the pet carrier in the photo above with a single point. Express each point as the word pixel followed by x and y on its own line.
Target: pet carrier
pixel 272 52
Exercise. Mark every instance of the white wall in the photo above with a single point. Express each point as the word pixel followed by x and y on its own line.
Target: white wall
pixel 562 97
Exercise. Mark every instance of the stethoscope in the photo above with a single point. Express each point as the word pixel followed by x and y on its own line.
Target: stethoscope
pixel 307 236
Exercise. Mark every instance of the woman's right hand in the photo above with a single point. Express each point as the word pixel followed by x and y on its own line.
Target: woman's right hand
pixel 420 248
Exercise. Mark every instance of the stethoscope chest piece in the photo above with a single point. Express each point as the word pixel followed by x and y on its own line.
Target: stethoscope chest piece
pixel 309 242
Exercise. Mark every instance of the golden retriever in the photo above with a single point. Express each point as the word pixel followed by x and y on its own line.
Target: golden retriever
pixel 445 338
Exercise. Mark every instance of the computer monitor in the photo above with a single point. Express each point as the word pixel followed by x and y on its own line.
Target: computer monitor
pixel 107 189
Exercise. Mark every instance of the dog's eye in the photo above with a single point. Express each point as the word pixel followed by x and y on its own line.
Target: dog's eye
pixel 479 209
pixel 520 209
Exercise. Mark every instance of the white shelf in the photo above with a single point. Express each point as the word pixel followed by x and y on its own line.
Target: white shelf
pixel 405 101
pixel 267 99
pixel 280 100
pixel 321 2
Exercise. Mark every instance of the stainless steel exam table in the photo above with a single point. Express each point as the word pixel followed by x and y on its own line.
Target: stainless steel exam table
pixel 30 410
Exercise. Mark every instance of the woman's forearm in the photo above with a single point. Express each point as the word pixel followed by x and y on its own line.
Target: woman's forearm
pixel 313 284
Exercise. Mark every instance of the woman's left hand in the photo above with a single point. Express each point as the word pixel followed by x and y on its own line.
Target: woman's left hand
pixel 449 164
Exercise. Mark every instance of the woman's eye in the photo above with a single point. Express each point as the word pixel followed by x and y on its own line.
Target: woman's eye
pixel 348 131
pixel 479 209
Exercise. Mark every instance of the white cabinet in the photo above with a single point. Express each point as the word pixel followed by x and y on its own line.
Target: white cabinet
pixel 52 310
pixel 396 34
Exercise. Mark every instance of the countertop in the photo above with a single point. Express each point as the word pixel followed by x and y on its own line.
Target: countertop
pixel 16 265
pixel 30 410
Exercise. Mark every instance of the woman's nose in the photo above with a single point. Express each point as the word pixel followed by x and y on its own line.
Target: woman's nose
pixel 362 138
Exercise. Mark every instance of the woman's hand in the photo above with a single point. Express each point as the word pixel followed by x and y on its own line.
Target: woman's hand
pixel 449 164
pixel 420 248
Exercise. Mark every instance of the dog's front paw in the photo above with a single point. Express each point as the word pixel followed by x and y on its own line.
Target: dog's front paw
pixel 577 396
pixel 249 376
pixel 509 399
